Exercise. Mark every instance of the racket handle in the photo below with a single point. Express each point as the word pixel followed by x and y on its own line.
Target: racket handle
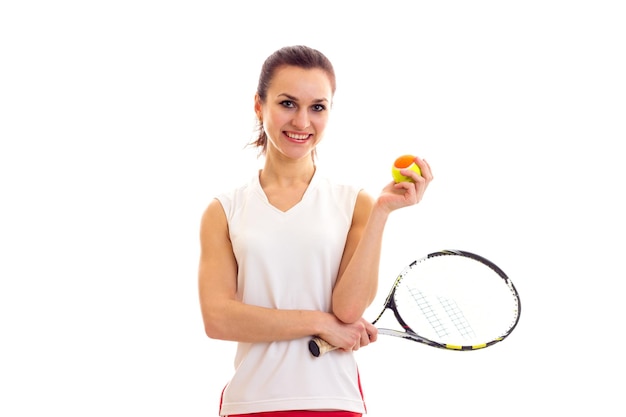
pixel 318 346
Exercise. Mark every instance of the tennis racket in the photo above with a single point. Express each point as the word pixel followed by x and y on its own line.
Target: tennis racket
pixel 449 299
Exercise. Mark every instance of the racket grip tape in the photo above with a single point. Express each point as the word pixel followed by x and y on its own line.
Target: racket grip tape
pixel 318 346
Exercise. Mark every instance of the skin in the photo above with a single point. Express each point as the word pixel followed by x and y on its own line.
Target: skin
pixel 294 116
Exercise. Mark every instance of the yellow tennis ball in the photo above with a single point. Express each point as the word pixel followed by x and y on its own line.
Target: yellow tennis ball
pixel 404 161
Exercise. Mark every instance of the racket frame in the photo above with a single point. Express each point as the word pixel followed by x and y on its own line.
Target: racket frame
pixel 318 346
pixel 410 334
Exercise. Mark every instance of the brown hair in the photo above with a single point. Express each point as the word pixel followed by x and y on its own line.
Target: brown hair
pixel 297 56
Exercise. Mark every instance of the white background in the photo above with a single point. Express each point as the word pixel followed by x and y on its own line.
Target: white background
pixel 120 120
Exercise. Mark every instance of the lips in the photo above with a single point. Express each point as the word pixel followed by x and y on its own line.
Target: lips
pixel 298 136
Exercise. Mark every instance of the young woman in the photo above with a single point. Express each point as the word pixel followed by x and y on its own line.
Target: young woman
pixel 293 254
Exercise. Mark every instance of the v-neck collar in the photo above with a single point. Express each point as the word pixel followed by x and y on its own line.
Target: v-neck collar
pixel 309 189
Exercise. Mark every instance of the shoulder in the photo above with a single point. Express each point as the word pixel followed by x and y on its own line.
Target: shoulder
pixel 228 200
pixel 338 188
pixel 363 206
pixel 351 195
pixel 217 211
pixel 214 217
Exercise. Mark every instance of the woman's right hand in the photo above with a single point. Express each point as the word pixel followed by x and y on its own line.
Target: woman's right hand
pixel 349 337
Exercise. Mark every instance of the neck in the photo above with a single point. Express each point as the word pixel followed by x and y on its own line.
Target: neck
pixel 287 173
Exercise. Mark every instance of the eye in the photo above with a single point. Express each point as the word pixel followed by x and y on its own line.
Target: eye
pixel 288 103
pixel 319 107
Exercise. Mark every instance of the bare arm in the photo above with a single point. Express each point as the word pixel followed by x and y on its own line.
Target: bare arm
pixel 229 319
pixel 358 275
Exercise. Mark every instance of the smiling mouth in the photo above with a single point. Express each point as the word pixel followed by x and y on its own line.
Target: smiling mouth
pixel 297 136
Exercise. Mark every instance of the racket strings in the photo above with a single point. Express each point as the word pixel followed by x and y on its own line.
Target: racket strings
pixel 457 317
pixel 428 311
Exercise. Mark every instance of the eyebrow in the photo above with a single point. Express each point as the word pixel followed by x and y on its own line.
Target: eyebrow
pixel 292 98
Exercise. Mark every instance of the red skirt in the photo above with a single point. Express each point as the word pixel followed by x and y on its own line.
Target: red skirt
pixel 300 413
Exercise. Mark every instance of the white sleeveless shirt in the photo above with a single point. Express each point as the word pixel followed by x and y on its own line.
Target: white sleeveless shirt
pixel 290 260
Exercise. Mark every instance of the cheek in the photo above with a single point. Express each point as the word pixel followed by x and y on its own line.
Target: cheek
pixel 274 120
pixel 272 125
pixel 320 120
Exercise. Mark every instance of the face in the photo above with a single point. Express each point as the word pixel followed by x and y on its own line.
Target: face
pixel 296 110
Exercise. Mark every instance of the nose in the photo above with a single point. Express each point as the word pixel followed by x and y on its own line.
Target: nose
pixel 301 119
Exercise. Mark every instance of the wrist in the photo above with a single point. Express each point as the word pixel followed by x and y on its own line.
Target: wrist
pixel 320 322
pixel 380 211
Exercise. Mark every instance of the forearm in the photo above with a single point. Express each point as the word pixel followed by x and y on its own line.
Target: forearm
pixel 356 287
pixel 236 321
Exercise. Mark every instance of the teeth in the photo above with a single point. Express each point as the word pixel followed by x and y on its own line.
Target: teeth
pixel 298 137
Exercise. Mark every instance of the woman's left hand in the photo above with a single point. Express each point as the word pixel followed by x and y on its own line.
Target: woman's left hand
pixel 403 194
pixel 369 334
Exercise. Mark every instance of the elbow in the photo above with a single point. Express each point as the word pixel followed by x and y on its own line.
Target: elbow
pixel 213 329
pixel 349 314
pixel 350 310
pixel 219 319
pixel 216 332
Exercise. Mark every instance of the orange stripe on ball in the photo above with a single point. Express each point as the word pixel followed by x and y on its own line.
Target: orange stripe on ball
pixel 404 161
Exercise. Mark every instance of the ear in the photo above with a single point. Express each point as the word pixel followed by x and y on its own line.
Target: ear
pixel 258 107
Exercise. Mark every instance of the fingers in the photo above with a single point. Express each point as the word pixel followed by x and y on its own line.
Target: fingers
pixel 427 172
pixel 369 334
pixel 372 332
pixel 415 190
pixel 363 341
pixel 352 337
